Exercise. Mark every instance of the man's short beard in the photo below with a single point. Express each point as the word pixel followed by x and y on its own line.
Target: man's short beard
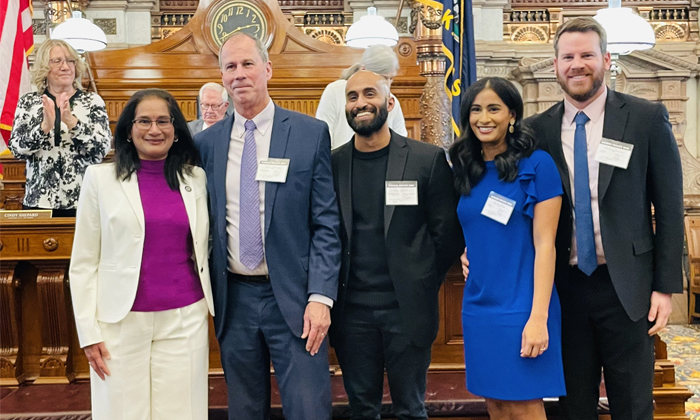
pixel 369 127
pixel 582 97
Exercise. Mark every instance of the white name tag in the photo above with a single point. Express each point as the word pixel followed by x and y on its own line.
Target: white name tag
pixel 614 153
pixel 401 193
pixel 498 208
pixel 273 170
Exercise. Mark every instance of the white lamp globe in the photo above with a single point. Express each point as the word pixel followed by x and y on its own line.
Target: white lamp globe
pixel 626 31
pixel 370 30
pixel 80 34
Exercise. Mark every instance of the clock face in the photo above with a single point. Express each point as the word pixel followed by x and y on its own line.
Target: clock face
pixel 238 16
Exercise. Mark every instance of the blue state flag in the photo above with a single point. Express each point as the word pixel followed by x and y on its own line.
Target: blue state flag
pixel 458 47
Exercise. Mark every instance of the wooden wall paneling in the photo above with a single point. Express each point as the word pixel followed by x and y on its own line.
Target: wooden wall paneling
pixel 215 367
pixel 448 347
pixel 12 192
pixel 10 356
pixel 692 235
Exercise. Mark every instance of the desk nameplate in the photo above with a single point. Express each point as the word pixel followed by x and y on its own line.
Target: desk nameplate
pixel 12 215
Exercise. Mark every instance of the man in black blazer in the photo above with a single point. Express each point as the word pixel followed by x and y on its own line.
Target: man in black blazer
pixel 400 234
pixel 615 284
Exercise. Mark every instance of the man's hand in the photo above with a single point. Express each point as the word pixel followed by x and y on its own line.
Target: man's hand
pixel 660 311
pixel 317 319
pixel 49 114
pixel 465 264
pixel 96 355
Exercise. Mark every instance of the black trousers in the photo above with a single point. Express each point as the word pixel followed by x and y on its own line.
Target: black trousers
pixel 371 340
pixel 597 333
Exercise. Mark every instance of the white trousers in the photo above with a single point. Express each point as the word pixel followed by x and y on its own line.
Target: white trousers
pixel 158 368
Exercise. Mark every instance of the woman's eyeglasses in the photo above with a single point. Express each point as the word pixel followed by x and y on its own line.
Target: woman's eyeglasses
pixel 58 62
pixel 144 124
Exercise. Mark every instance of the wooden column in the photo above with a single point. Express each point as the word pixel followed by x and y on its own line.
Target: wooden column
pixel 10 356
pixel 434 103
pixel 56 330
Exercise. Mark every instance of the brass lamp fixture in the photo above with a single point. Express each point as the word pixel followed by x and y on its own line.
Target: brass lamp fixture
pixel 64 21
pixel 57 12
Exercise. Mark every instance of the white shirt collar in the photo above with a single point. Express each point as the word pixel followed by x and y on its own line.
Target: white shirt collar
pixel 263 121
pixel 594 110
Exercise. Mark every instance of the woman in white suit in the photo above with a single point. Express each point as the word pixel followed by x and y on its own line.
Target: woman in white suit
pixel 139 273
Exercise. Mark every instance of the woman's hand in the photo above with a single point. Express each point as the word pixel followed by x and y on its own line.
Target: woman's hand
pixel 465 264
pixel 49 114
pixel 66 113
pixel 96 355
pixel 535 337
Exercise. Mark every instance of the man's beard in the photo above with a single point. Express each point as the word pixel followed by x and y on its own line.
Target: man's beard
pixel 368 127
pixel 598 79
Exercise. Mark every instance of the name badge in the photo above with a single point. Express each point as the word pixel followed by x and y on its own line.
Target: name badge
pixel 498 208
pixel 614 153
pixel 401 193
pixel 273 170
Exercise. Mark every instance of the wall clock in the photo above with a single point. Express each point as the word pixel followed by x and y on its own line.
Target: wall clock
pixel 227 17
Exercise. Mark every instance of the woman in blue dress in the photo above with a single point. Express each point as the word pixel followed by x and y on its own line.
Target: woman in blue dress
pixel 509 209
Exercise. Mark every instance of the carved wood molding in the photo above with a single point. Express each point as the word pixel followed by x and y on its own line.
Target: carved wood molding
pixel 10 357
pixel 55 322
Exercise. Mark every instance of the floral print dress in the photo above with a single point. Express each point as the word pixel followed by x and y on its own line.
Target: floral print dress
pixel 56 163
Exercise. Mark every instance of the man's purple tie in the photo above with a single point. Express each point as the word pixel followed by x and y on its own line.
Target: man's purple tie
pixel 250 240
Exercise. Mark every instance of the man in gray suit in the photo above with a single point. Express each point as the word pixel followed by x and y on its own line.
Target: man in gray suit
pixel 213 101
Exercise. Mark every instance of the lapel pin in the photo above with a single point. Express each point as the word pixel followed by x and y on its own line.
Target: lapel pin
pixel 188 188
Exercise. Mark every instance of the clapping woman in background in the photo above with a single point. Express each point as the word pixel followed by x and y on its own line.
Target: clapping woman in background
pixel 59 130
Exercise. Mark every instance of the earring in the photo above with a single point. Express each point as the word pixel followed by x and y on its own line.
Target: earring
pixel 176 139
pixel 511 129
pixel 128 140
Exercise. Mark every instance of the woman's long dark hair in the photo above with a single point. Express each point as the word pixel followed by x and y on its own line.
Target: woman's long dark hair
pixel 467 162
pixel 183 154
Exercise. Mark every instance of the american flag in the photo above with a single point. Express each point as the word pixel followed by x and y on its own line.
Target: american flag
pixel 16 43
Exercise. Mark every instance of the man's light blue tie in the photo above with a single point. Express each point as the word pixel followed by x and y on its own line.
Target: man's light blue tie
pixel 250 240
pixel 585 238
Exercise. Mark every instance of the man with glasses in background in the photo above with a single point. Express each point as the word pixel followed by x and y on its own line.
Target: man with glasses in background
pixel 213 102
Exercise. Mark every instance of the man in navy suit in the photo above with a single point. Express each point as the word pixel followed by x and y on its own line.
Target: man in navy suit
pixel 275 242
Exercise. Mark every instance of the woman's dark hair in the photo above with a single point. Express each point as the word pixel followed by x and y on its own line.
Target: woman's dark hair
pixel 467 162
pixel 183 154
